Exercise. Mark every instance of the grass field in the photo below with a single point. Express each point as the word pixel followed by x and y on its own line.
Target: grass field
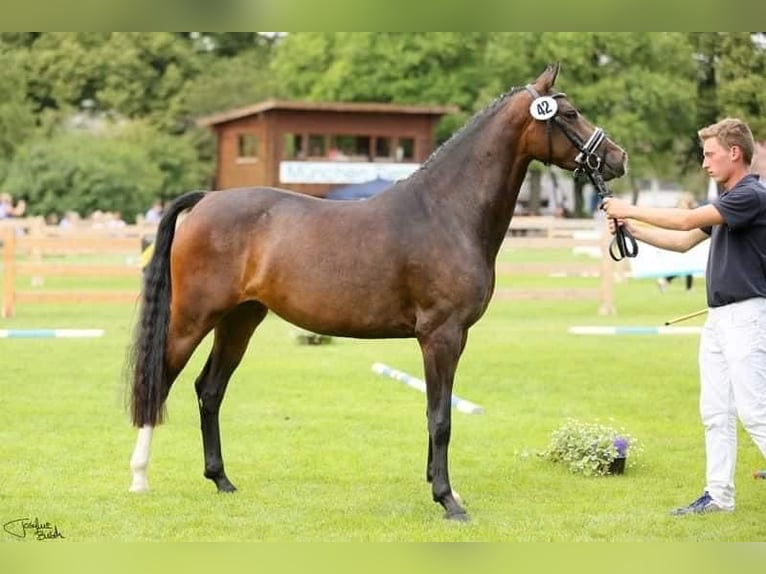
pixel 322 449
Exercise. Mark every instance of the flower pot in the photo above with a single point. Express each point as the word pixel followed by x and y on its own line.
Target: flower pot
pixel 617 466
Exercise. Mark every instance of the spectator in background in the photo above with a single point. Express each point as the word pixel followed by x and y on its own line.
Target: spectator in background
pixel 562 210
pixel 6 205
pixel 685 201
pixel 70 219
pixel 154 213
pixel 113 219
pixel 8 209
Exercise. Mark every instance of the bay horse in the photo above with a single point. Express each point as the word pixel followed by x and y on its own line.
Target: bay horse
pixel 417 260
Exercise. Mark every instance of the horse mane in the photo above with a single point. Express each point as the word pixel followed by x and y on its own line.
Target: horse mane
pixel 468 126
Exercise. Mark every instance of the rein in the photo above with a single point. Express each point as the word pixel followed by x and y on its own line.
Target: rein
pixel 588 163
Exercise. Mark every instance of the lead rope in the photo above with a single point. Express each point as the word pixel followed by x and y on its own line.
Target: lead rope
pixel 624 243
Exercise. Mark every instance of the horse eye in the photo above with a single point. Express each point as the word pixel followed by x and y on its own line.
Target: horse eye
pixel 570 114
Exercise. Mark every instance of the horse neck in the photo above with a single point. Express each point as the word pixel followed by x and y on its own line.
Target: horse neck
pixel 475 183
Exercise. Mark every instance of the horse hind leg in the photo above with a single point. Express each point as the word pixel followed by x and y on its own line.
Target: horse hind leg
pixel 232 336
pixel 179 351
pixel 139 460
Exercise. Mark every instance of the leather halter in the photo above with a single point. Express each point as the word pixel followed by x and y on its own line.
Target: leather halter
pixel 589 163
pixel 586 160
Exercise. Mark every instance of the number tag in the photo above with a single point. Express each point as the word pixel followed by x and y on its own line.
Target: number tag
pixel 543 108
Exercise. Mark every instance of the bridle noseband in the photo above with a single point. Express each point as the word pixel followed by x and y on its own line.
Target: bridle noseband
pixel 588 163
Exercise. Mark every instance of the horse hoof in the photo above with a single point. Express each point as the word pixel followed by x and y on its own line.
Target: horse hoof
pixel 461 516
pixel 139 486
pixel 226 487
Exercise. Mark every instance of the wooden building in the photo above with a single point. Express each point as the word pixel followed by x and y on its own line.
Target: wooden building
pixel 312 147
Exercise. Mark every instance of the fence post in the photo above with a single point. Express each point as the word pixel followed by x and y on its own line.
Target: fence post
pixel 9 271
pixel 607 273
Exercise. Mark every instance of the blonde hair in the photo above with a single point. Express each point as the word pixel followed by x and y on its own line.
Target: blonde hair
pixel 731 132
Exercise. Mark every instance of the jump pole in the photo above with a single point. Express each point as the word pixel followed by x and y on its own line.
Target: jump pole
pixel 603 330
pixel 685 317
pixel 462 405
pixel 50 333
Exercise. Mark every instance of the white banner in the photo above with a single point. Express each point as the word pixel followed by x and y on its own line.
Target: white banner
pixel 342 172
pixel 655 262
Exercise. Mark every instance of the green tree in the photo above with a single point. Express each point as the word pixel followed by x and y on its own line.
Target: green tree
pixel 742 79
pixel 176 157
pixel 414 68
pixel 132 75
pixel 730 82
pixel 641 88
pixel 17 120
pixel 114 168
pixel 227 83
pixel 301 60
pixel 230 44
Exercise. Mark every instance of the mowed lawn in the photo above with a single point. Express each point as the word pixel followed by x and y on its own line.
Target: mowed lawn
pixel 323 449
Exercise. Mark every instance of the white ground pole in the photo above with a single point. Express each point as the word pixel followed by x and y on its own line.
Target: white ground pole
pixel 139 462
pixel 50 333
pixel 462 405
pixel 603 330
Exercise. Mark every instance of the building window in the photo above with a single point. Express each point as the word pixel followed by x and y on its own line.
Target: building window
pixel 349 148
pixel 342 147
pixel 383 149
pixel 405 149
pixel 247 146
pixel 317 146
pixel 293 146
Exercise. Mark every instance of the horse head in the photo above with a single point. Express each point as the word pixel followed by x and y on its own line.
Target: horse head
pixel 555 132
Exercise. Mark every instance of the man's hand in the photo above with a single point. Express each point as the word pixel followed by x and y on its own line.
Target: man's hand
pixel 614 223
pixel 616 208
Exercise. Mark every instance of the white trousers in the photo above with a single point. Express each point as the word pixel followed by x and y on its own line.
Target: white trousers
pixel 732 362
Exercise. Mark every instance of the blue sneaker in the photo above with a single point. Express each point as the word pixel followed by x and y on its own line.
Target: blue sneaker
pixel 703 505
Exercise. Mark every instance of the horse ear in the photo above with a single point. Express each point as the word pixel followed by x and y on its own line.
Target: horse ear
pixel 554 70
pixel 548 77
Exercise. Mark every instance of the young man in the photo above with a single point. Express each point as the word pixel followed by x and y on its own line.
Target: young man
pixel 732 352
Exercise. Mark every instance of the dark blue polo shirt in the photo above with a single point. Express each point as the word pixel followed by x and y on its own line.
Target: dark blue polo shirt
pixel 736 266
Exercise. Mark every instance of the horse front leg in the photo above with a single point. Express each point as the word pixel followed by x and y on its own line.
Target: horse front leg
pixel 441 353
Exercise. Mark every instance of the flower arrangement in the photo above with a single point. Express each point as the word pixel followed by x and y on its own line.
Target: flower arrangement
pixel 591 449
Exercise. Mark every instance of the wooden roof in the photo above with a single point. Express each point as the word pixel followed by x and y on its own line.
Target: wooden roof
pixel 344 107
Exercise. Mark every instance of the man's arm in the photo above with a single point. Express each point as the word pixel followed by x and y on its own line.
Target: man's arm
pixel 665 217
pixel 670 239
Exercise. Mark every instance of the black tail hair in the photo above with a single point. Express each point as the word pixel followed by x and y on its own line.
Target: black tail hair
pixel 147 356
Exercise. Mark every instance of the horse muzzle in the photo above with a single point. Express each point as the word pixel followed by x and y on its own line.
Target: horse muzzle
pixel 615 164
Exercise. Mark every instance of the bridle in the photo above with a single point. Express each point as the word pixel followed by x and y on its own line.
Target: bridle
pixel 588 162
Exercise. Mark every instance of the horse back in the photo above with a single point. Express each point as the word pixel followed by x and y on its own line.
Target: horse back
pixel 363 268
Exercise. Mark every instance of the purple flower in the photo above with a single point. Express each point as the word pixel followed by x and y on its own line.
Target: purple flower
pixel 621 444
